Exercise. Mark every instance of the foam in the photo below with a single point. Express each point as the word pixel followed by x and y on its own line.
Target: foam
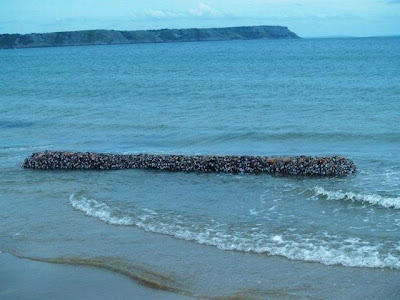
pixel 374 199
pixel 326 249
pixel 101 211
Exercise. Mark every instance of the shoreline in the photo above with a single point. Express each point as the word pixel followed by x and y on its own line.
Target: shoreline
pixel 23 278
pixel 26 278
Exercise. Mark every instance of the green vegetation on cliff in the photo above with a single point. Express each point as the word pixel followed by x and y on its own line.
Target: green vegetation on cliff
pixel 105 37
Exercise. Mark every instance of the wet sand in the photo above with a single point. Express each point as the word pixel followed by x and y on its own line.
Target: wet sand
pixel 26 279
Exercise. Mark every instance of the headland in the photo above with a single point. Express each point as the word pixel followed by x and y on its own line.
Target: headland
pixel 107 37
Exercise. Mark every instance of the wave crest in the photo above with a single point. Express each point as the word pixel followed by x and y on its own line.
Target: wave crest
pixel 99 210
pixel 328 250
pixel 374 199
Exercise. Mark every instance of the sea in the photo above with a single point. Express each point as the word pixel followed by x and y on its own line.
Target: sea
pixel 209 235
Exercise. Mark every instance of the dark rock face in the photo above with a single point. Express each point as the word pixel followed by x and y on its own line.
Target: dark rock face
pixel 295 165
pixel 105 37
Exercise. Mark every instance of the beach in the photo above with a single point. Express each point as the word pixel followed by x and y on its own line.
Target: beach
pixel 27 279
pixel 86 232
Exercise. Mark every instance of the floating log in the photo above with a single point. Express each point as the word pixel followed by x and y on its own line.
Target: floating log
pixel 293 165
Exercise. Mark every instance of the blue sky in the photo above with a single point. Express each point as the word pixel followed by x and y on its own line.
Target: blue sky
pixel 308 18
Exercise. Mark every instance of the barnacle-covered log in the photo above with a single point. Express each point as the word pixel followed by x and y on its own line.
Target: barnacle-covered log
pixel 294 165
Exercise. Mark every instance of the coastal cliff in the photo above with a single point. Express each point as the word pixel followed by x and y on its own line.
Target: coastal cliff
pixel 106 37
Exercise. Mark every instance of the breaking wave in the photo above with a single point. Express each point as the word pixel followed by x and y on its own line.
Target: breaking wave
pixel 388 202
pixel 311 247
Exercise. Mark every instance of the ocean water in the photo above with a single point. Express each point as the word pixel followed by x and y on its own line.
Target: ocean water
pixel 209 235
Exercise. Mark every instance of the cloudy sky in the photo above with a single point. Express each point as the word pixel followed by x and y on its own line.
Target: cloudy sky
pixel 308 18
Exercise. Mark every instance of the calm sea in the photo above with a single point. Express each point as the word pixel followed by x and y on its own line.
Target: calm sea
pixel 207 234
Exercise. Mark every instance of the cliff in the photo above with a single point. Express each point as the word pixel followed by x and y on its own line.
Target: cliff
pixel 106 37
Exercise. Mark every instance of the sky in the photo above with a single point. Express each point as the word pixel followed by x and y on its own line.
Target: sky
pixel 307 18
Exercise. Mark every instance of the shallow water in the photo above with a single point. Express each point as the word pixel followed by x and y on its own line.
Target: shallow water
pixel 284 97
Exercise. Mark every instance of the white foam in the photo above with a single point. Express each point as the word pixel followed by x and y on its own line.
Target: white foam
pixel 277 239
pixel 388 202
pixel 25 148
pixel 326 249
pixel 99 210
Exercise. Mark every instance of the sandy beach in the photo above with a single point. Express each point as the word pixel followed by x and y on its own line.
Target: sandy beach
pixel 26 279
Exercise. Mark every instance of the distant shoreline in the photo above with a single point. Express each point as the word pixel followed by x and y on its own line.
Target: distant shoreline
pixel 113 37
